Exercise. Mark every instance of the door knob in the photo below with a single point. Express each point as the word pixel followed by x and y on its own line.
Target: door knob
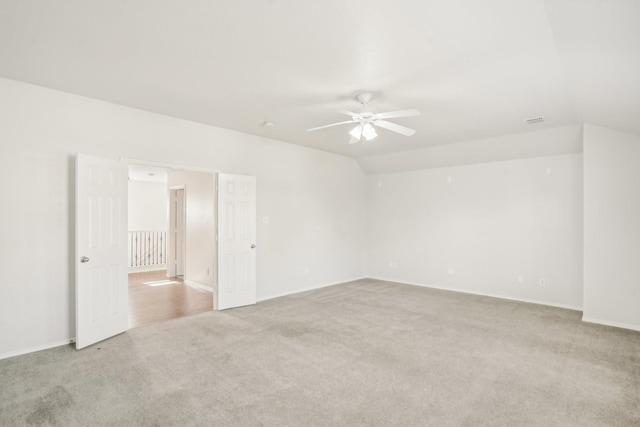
pixel 84 259
pixel 253 246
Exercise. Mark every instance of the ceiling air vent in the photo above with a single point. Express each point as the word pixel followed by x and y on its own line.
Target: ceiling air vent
pixel 534 120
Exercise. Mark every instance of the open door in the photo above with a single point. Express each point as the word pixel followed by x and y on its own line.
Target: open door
pixel 236 285
pixel 101 249
pixel 177 225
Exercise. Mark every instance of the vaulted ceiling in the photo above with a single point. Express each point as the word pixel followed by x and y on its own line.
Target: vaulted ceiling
pixel 475 69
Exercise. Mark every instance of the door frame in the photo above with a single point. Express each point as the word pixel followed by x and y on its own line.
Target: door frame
pixel 214 173
pixel 171 267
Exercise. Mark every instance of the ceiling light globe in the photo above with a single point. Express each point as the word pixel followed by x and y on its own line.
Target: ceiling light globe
pixel 368 132
pixel 356 132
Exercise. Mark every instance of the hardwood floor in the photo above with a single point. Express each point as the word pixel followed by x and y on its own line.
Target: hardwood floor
pixel 154 297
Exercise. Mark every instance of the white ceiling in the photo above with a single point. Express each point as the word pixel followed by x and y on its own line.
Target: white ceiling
pixel 475 69
pixel 146 173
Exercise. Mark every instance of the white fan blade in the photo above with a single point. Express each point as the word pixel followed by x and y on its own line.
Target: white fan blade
pixel 354 140
pixel 394 127
pixel 332 124
pixel 399 113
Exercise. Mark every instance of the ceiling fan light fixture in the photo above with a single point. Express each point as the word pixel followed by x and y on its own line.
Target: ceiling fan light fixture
pixel 368 132
pixel 356 132
pixel 367 120
pixel 365 131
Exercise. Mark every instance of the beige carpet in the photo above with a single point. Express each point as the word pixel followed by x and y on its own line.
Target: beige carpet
pixel 361 353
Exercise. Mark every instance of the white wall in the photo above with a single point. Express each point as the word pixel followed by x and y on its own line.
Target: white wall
pixel 611 227
pixel 315 202
pixel 148 206
pixel 491 223
pixel 199 225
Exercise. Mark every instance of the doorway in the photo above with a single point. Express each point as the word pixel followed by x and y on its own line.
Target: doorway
pixel 159 284
pixel 101 287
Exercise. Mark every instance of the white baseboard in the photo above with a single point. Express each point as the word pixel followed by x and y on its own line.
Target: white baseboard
pixel 484 294
pixel 35 348
pixel 147 268
pixel 609 323
pixel 198 286
pixel 311 288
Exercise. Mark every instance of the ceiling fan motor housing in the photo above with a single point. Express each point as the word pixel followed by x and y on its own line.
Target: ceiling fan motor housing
pixel 364 98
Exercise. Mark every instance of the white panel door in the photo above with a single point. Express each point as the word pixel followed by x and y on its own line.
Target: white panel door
pixel 101 249
pixel 236 241
pixel 176 246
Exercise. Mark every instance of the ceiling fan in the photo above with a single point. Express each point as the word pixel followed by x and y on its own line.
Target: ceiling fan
pixel 367 121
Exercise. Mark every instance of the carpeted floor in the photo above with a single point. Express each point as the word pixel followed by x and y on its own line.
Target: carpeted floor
pixel 360 353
